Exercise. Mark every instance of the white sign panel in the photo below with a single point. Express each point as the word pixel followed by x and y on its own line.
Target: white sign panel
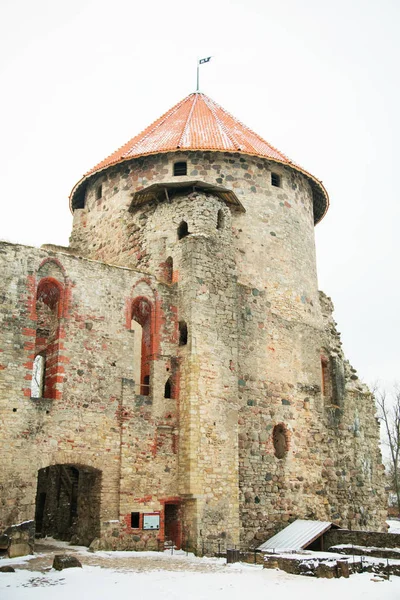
pixel 151 521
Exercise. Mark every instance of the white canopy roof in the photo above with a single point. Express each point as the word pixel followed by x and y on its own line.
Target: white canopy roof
pixel 296 536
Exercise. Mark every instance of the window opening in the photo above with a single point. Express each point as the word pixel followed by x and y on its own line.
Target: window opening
pixel 324 376
pixel 38 375
pixel 220 219
pixel 48 304
pixel 141 326
pixel 180 168
pixel 99 192
pixel 168 389
pixel 183 230
pixel 145 387
pixel 135 520
pixel 326 379
pixel 169 269
pixel 183 333
pixel 136 329
pixel 280 440
pixel 275 179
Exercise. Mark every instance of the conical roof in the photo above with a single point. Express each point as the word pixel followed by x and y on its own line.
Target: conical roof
pixel 199 123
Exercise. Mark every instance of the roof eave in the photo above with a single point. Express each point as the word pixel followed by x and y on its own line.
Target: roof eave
pixel 316 185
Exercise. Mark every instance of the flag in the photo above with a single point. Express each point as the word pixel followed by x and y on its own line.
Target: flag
pixel 204 60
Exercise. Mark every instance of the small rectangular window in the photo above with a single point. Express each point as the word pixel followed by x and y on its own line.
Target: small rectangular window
pixel 275 179
pixel 99 192
pixel 180 168
pixel 135 520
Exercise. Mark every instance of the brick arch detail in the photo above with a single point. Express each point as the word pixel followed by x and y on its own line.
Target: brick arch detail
pixel 56 262
pixel 75 459
pixel 48 282
pixel 157 319
pixel 53 293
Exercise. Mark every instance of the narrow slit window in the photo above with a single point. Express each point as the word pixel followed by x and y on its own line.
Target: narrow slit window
pixel 180 168
pixel 99 192
pixel 326 378
pixel 275 180
pixel 168 389
pixel 169 269
pixel 183 333
pixel 220 219
pixel 145 391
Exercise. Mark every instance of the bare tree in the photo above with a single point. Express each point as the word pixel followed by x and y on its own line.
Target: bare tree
pixel 389 414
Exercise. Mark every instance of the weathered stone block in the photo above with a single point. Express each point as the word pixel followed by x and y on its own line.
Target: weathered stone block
pixel 65 561
pixel 18 549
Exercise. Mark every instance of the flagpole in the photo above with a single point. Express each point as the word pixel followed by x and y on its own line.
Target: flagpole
pixel 200 61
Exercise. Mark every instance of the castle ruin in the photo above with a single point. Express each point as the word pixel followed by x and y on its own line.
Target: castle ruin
pixel 174 374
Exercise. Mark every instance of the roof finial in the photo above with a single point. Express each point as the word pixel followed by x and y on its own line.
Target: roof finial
pixel 201 61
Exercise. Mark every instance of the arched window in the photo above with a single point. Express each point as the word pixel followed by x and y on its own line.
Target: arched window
pixel 183 230
pixel 183 333
pixel 220 219
pixel 141 325
pixel 48 312
pixel 280 438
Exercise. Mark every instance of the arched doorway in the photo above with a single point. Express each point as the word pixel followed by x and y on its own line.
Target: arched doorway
pixel 68 503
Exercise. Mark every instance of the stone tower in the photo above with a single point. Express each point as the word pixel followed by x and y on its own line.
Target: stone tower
pixel 218 405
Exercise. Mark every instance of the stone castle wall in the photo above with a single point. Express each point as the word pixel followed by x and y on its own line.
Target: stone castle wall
pixel 331 469
pixel 273 240
pixel 266 421
pixel 98 420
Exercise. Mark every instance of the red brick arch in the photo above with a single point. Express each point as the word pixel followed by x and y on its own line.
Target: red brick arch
pixel 51 292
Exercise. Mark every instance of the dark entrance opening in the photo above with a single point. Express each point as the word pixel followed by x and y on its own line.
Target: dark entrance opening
pixel 39 513
pixel 173 531
pixel 68 503
pixel 183 230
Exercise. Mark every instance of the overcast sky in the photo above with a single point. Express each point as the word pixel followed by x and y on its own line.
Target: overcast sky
pixel 318 79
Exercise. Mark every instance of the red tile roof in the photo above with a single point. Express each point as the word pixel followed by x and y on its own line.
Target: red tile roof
pixel 195 123
pixel 199 123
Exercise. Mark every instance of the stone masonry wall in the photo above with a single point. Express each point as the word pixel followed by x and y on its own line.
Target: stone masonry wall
pixel 208 405
pixel 273 240
pixel 353 472
pixel 264 420
pixel 97 419
pixel 332 468
pixel 282 333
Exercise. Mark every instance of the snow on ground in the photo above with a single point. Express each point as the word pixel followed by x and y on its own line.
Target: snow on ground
pixel 394 525
pixel 160 576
